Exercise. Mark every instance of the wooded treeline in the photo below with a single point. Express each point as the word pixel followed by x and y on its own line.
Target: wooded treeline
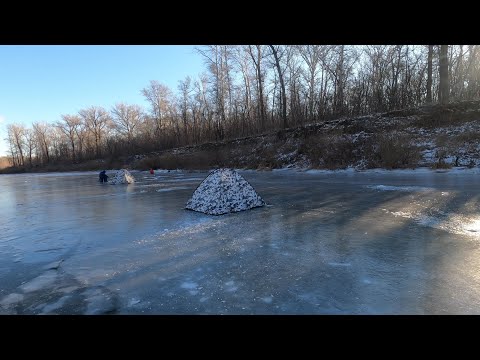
pixel 250 89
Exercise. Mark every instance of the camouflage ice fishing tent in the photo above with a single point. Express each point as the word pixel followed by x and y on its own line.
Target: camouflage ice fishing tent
pixel 224 191
pixel 122 176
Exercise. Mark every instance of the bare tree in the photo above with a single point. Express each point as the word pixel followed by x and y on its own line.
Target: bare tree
pixel 159 96
pixel 443 90
pixel 13 159
pixel 242 57
pixel 429 74
pixel 257 56
pixel 16 133
pixel 217 59
pixel 185 90
pixel 456 71
pixel 294 70
pixel 81 132
pixel 204 107
pixel 126 119
pixel 31 144
pixel 250 89
pixel 277 54
pixel 96 120
pixel 59 144
pixel 69 126
pixel 42 134
pixel 312 55
pixel 473 72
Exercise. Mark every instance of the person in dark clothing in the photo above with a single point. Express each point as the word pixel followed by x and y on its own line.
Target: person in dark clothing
pixel 103 177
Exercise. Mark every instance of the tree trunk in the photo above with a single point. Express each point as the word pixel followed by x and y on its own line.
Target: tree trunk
pixel 339 87
pixel 472 52
pixel 282 86
pixel 73 148
pixel 443 90
pixel 258 72
pixel 429 73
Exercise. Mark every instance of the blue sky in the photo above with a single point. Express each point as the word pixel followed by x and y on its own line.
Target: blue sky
pixel 40 83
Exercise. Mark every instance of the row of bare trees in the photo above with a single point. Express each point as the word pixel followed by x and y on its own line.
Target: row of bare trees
pixel 250 89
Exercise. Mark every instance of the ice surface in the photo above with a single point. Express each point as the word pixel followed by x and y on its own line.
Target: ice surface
pixel 330 243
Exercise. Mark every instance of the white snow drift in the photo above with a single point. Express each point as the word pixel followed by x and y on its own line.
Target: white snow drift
pixel 224 191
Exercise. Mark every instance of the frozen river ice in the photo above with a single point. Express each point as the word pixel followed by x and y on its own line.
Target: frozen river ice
pixel 326 243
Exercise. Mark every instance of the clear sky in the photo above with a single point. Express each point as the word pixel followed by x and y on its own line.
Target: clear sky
pixel 39 83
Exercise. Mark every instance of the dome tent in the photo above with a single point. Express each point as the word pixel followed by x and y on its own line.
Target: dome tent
pixel 122 176
pixel 224 191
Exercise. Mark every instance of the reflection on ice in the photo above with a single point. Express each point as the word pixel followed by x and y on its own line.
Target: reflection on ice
pixel 452 223
pixel 473 225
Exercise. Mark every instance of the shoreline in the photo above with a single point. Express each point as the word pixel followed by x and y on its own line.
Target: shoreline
pixel 461 170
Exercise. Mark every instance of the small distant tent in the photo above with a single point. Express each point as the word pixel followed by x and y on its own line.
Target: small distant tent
pixel 122 176
pixel 224 191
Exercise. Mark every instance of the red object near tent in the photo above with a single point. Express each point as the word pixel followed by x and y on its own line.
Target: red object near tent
pixel 152 172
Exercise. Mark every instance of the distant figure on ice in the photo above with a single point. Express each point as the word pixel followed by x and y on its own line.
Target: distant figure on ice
pixel 103 177
pixel 152 172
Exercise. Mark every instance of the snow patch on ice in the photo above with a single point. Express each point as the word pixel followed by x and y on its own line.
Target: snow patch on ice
pixel 172 189
pixel 183 179
pixel 398 188
pixel 133 302
pixel 189 285
pixel 339 264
